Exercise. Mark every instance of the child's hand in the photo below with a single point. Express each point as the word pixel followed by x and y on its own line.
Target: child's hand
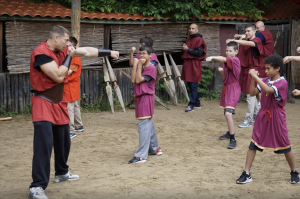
pixel 253 72
pixel 298 49
pixel 296 92
pixel 220 69
pixel 208 59
pixel 133 49
pixel 142 61
pixel 287 59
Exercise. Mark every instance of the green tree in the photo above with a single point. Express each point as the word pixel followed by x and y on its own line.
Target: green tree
pixel 177 10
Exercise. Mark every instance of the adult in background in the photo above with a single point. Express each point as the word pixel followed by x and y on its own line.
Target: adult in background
pixel 72 92
pixel 49 65
pixel 194 52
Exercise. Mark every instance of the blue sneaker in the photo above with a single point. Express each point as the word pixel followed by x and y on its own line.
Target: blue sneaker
pixel 254 117
pixel 68 176
pixel 37 193
pixel 245 124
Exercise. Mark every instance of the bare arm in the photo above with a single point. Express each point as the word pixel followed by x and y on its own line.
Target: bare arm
pixel 139 78
pixel 245 43
pixel 216 58
pixel 133 73
pixel 93 52
pixel 131 56
pixel 287 59
pixel 263 86
pixel 57 74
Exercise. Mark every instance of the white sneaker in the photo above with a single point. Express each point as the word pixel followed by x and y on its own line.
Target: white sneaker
pixel 245 124
pixel 69 176
pixel 37 193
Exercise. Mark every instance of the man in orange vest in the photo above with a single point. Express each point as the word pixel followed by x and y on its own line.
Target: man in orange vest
pixel 72 92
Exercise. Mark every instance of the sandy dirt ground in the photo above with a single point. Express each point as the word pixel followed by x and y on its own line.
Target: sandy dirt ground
pixel 194 164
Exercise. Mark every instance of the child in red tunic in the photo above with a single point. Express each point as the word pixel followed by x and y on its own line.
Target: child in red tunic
pixel 231 88
pixel 270 129
pixel 144 77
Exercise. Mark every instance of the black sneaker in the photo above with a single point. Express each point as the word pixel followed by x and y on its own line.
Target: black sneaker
pixel 294 177
pixel 189 109
pixel 136 160
pixel 80 129
pixel 244 178
pixel 226 136
pixel 72 135
pixel 232 144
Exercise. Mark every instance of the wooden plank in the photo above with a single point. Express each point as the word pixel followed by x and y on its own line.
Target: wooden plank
pixel 4 93
pixel 1 90
pixel 20 93
pixel 75 19
pixel 96 86
pixel 91 85
pixel 82 90
pixel 106 36
pixel 15 86
pixel 86 86
pixel 8 89
pixel 1 47
pixel 27 89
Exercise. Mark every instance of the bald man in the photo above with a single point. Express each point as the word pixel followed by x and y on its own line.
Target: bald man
pixel 194 52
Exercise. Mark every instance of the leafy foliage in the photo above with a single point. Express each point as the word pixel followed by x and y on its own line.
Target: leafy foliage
pixel 178 10
pixel 205 86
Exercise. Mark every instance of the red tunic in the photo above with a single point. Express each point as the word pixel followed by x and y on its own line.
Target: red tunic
pixel 72 88
pixel 268 49
pixel 192 67
pixel 248 61
pixel 43 110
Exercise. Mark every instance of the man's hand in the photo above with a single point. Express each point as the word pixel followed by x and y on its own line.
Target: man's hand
pixel 208 59
pixel 114 54
pixel 229 40
pixel 237 36
pixel 287 59
pixel 296 92
pixel 71 51
pixel 298 49
pixel 253 73
pixel 133 49
pixel 185 47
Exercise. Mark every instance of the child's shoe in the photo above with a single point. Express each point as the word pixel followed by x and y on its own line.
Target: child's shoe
pixel 226 136
pixel 244 178
pixel 232 144
pixel 245 124
pixel 189 109
pixel 294 177
pixel 136 160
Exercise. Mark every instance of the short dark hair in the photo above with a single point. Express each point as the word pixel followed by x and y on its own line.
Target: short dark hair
pixel 275 61
pixel 233 44
pixel 74 41
pixel 147 40
pixel 147 48
pixel 58 30
pixel 251 26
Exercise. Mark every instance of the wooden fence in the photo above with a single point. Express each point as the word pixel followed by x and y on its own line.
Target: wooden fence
pixel 15 94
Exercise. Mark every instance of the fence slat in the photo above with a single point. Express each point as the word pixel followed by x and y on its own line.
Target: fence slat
pixel 20 93
pixel 86 86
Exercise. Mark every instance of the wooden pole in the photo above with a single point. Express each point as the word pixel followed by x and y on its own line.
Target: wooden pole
pixel 1 47
pixel 75 20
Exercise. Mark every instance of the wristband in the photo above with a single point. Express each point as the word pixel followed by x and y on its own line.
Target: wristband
pixel 67 61
pixel 103 52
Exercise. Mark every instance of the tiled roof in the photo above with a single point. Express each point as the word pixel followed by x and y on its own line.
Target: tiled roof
pixel 283 9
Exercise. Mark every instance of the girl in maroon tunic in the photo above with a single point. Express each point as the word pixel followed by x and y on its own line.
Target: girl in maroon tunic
pixel 231 88
pixel 144 77
pixel 270 129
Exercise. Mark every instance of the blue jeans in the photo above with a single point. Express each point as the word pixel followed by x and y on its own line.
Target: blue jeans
pixel 194 97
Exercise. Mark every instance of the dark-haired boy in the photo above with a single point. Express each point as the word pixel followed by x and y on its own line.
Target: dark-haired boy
pixel 144 76
pixel 270 130
pixel 143 41
pixel 250 51
pixel 231 88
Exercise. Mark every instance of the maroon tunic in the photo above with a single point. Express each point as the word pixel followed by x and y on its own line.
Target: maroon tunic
pixel 192 67
pixel 248 61
pixel 270 128
pixel 144 95
pixel 43 110
pixel 231 89
pixel 269 43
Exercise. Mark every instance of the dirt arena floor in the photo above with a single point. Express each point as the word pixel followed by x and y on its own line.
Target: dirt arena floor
pixel 194 164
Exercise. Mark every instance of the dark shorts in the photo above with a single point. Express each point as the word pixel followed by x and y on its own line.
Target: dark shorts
pixel 254 147
pixel 229 110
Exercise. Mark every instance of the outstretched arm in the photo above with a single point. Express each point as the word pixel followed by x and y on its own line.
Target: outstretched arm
pixel 131 56
pixel 242 42
pixel 94 52
pixel 287 59
pixel 216 58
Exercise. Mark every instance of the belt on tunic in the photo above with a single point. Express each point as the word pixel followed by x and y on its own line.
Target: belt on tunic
pixel 224 89
pixel 53 95
pixel 269 112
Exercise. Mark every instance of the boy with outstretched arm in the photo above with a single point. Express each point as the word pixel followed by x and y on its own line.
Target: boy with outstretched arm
pixel 144 77
pixel 231 88
pixel 270 129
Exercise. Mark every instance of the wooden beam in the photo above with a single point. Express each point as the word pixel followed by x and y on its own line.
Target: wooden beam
pixel 75 20
pixel 106 36
pixel 1 47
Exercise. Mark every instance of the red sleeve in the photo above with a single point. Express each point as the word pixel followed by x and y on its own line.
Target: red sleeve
pixel 228 63
pixel 259 45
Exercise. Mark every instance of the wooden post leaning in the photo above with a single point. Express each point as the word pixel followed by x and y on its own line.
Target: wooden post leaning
pixel 178 77
pixel 108 87
pixel 116 87
pixel 172 84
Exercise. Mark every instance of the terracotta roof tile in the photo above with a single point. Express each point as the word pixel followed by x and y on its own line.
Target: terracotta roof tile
pixel 283 9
